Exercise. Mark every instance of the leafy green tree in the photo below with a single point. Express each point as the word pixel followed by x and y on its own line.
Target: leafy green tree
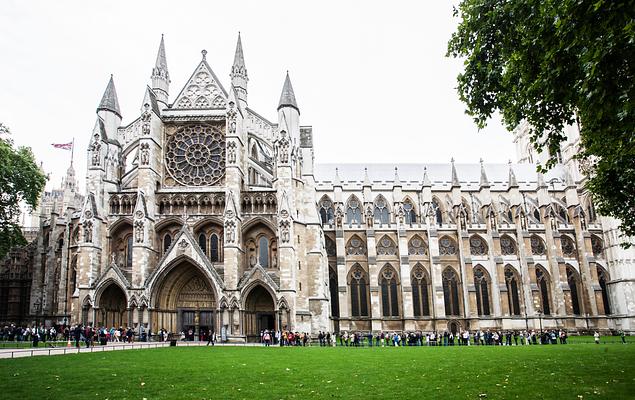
pixel 21 181
pixel 554 63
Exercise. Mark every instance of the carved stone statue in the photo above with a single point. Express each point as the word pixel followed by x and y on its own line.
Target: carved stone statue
pixel 88 232
pixel 231 152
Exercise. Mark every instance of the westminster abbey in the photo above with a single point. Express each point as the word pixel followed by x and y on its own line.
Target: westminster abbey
pixel 201 214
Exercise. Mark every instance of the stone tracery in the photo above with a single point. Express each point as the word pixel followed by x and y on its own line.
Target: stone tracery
pixel 195 155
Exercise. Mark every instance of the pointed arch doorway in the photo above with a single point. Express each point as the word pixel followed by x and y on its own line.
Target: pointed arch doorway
pixel 186 302
pixel 259 314
pixel 112 307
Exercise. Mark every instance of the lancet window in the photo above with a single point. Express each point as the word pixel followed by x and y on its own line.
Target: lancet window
pixel 481 283
pixel 359 292
pixel 381 213
pixel 451 292
pixel 327 214
pixel 353 211
pixel 542 280
pixel 389 292
pixel 513 296
pixel 420 298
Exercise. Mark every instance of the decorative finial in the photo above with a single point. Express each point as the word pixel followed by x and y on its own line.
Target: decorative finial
pixel 204 53
pixel 481 161
pixel 452 160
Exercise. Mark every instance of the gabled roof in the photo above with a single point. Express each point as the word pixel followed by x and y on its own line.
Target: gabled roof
pixel 109 100
pixel 202 91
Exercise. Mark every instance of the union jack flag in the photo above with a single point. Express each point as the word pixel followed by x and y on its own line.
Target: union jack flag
pixel 65 146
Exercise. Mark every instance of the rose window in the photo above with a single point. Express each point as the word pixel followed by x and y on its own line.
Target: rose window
pixel 195 155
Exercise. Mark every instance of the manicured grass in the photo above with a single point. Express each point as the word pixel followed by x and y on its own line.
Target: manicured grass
pixel 523 372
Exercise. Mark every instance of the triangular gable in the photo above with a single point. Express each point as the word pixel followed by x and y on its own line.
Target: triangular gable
pixel 184 245
pixel 150 99
pixel 112 273
pixel 89 209
pixel 257 273
pixel 202 91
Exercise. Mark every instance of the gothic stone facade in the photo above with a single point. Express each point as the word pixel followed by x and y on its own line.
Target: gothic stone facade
pixel 202 214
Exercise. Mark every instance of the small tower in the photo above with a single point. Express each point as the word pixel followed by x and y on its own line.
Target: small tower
pixel 239 74
pixel 109 111
pixel 289 112
pixel 161 77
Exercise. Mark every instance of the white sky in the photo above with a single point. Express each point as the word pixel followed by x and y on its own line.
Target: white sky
pixel 370 76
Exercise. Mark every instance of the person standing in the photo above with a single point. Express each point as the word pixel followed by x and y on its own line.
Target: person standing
pixel 596 336
pixel 623 336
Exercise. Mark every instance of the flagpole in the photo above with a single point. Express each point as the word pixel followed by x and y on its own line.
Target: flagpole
pixel 72 151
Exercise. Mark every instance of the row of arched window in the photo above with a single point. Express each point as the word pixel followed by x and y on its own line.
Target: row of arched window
pixel 421 289
pixel 417 246
pixel 354 212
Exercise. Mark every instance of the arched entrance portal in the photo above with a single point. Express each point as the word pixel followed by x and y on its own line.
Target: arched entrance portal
pixel 112 308
pixel 259 313
pixel 454 327
pixel 186 303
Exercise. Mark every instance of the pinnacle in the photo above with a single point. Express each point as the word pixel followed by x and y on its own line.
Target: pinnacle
pixel 161 63
pixel 239 58
pixel 287 97
pixel 109 101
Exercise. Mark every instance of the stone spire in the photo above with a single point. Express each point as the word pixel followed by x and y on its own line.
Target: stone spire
pixel 109 101
pixel 426 179
pixel 455 177
pixel 484 180
pixel 287 97
pixel 239 73
pixel 367 181
pixel 337 181
pixel 396 180
pixel 512 177
pixel 160 76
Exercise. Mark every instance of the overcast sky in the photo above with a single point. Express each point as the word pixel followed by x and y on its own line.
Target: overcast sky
pixel 370 77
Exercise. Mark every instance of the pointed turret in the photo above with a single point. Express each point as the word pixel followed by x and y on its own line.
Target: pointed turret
pixel 337 181
pixel 512 183
pixel 287 97
pixel 109 101
pixel 455 177
pixel 109 111
pixel 239 73
pixel 484 181
pixel 426 180
pixel 160 76
pixel 396 179
pixel 366 181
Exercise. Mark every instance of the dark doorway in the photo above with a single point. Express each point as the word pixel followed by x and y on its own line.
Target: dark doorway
pixel 259 313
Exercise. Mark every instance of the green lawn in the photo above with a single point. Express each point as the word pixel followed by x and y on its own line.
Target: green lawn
pixel 526 372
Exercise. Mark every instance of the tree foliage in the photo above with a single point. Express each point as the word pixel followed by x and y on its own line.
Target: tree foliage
pixel 554 63
pixel 21 182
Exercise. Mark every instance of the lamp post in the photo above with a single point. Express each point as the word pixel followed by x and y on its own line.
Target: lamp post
pixel 539 312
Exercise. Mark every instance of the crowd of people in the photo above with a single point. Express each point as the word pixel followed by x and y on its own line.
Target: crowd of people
pixel 76 334
pixel 89 336
pixel 418 338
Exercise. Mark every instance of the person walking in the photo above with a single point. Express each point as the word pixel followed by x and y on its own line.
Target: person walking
pixel 623 336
